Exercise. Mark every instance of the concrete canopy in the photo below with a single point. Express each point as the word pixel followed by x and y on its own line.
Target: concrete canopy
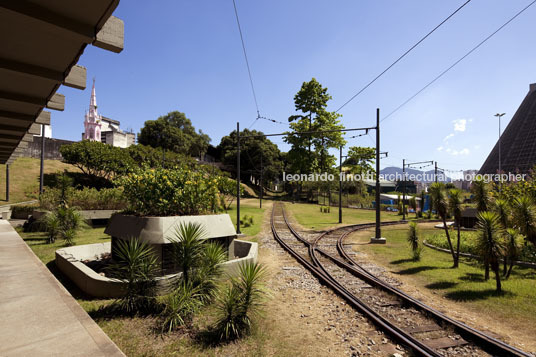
pixel 40 45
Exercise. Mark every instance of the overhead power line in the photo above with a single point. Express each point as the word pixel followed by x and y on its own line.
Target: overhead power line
pixel 247 62
pixel 458 61
pixel 403 55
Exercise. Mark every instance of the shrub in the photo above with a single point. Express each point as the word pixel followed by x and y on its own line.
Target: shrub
pixel 22 211
pixel 180 307
pixel 86 198
pixel 64 223
pixel 246 221
pixel 169 192
pixel 240 302
pixel 413 240
pixel 137 264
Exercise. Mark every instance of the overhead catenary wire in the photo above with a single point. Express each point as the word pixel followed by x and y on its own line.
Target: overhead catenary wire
pixel 402 56
pixel 459 60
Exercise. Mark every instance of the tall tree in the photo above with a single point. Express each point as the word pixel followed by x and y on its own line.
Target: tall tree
pixel 455 206
pixel 360 159
pixel 309 152
pixel 174 132
pixel 439 202
pixel 251 150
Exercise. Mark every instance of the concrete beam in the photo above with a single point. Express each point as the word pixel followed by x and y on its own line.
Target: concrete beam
pixel 20 129
pixel 112 35
pixel 76 77
pixel 27 138
pixel 43 118
pixel 16 116
pixel 12 145
pixel 34 129
pixel 57 102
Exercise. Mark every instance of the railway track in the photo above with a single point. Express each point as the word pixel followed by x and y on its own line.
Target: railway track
pixel 420 328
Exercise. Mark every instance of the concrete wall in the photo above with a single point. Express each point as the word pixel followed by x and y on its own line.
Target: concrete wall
pixel 52 148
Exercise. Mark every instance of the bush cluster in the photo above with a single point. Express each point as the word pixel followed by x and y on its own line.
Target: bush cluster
pixel 85 199
pixel 170 192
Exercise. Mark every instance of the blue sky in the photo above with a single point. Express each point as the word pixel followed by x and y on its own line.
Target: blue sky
pixel 186 56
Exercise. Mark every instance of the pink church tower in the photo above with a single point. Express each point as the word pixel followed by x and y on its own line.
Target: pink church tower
pixel 92 122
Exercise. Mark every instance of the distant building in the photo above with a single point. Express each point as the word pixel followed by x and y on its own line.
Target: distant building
pixel 103 129
pixel 518 146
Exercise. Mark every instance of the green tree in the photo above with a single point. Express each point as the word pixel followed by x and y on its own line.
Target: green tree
pixel 97 159
pixel 251 150
pixel 455 207
pixel 360 159
pixel 309 152
pixel 174 132
pixel 481 195
pixel 489 244
pixel 511 250
pixel 440 204
pixel 524 212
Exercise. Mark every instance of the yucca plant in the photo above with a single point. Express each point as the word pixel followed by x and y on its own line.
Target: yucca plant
pixel 241 302
pixel 489 245
pixel 524 212
pixel 52 226
pixel 205 276
pixel 511 250
pixel 180 307
pixel 480 191
pixel 188 247
pixel 137 264
pixel 413 240
pixel 501 207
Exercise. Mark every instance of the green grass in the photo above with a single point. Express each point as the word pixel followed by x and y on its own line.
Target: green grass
pixel 309 215
pixel 249 207
pixel 24 178
pixel 516 305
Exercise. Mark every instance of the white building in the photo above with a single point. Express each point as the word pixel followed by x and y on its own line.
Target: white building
pixel 106 130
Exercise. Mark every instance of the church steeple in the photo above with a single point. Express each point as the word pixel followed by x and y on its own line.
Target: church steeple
pixel 92 120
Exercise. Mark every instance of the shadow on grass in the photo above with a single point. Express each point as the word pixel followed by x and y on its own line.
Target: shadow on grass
pixel 441 285
pixel 401 261
pixel 474 295
pixel 416 270
pixel 473 277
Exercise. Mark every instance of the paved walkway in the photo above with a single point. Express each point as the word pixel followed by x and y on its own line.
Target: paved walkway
pixel 38 317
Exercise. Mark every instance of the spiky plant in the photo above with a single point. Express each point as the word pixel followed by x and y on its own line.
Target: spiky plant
pixel 501 207
pixel 180 307
pixel 511 249
pixel 52 226
pixel 439 202
pixel 413 240
pixel 188 247
pixel 489 245
pixel 137 264
pixel 241 302
pixel 480 191
pixel 524 212
pixel 205 276
pixel 455 207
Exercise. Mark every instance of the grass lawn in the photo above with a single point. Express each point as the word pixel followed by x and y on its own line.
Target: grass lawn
pixel 250 207
pixel 309 215
pixel 465 285
pixel 24 177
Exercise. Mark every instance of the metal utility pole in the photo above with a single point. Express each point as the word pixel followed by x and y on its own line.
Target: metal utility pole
pixel 435 172
pixel 404 190
pixel 340 184
pixel 378 219
pixel 238 179
pixel 260 201
pixel 7 182
pixel 41 173
pixel 500 172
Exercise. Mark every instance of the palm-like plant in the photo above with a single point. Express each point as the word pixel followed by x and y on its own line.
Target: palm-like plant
pixel 455 207
pixel 524 212
pixel 180 307
pixel 137 265
pixel 413 240
pixel 480 191
pixel 188 247
pixel 489 245
pixel 52 226
pixel 241 301
pixel 205 276
pixel 439 202
pixel 501 207
pixel 511 249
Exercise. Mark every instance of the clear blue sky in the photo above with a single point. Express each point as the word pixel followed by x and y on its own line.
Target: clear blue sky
pixel 187 56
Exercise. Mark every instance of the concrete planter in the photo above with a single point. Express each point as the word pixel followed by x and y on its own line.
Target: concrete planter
pixel 157 231
pixel 69 261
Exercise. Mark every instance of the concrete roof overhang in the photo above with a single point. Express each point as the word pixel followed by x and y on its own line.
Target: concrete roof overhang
pixel 40 45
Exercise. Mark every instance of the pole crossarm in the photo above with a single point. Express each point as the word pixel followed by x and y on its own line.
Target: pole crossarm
pixel 419 163
pixel 307 132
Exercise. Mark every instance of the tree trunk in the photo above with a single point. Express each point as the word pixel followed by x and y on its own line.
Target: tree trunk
pixel 497 277
pixel 457 260
pixel 510 269
pixel 486 271
pixel 505 265
pixel 448 239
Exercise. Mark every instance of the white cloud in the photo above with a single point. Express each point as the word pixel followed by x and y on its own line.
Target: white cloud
pixel 460 124
pixel 464 151
pixel 440 148
pixel 448 137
